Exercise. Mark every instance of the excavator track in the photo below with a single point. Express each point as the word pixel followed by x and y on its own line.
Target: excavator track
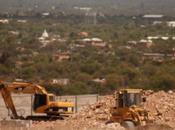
pixel 44 118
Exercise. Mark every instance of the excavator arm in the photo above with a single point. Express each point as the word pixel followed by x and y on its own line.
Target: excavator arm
pixel 6 95
pixel 17 87
pixel 25 88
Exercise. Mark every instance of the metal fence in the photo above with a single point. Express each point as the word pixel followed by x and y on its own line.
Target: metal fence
pixel 80 100
pixel 23 103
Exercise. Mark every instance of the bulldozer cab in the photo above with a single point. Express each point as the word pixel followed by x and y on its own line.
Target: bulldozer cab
pixel 128 97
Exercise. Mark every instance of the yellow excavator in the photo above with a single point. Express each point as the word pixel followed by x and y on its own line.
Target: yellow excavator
pixel 128 110
pixel 44 102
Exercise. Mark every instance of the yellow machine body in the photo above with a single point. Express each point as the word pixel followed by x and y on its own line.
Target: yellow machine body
pixel 128 107
pixel 43 103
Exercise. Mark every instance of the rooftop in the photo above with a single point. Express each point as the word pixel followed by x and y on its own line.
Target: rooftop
pixel 153 16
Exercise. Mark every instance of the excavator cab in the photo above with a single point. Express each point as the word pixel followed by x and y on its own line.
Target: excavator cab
pixel 39 100
pixel 42 99
pixel 51 97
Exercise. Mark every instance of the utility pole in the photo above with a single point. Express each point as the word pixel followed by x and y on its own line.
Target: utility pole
pixel 95 18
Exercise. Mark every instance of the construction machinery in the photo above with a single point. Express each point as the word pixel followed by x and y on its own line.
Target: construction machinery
pixel 128 108
pixel 43 103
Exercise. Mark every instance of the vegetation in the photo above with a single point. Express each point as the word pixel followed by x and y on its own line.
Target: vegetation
pixel 22 55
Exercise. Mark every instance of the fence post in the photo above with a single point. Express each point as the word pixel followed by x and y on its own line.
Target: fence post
pixel 76 104
pixel 97 98
pixel 31 105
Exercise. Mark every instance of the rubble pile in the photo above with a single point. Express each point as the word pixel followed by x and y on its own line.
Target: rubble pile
pixel 161 106
pixel 95 116
pixel 91 117
pixel 15 124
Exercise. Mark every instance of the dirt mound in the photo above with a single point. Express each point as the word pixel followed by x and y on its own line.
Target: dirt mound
pixel 15 125
pixel 95 116
pixel 161 106
pixel 154 127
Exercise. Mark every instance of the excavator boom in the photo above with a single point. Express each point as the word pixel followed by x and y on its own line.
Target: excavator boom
pixel 25 88
pixel 6 95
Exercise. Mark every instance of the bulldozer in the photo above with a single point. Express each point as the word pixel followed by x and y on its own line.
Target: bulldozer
pixel 128 110
pixel 43 103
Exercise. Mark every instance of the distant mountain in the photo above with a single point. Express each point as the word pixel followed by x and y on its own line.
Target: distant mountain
pixel 111 6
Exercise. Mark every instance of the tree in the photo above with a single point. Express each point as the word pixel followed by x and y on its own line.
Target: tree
pixel 114 81
pixel 162 82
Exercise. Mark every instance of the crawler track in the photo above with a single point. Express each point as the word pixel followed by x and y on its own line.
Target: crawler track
pixel 44 118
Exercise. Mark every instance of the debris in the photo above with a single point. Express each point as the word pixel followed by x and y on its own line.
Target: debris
pixel 161 107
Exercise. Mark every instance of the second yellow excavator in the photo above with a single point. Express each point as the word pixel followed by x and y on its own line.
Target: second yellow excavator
pixel 44 102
